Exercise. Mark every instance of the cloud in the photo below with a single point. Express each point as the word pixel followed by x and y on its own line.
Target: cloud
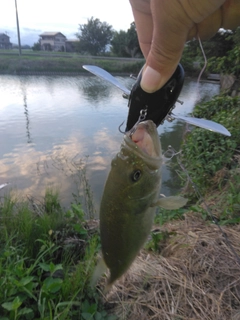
pixel 31 170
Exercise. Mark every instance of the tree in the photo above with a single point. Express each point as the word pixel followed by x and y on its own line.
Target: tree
pixel 133 47
pixel 219 44
pixel 125 44
pixel 215 49
pixel 119 44
pixel 94 36
pixel 230 62
pixel 37 46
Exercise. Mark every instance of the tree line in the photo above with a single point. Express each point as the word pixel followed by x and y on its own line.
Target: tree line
pixel 222 52
pixel 97 38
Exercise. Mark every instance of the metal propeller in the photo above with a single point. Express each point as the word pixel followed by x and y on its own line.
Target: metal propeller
pixel 203 123
pixel 106 76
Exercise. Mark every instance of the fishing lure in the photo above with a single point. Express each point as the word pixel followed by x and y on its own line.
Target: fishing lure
pixel 158 104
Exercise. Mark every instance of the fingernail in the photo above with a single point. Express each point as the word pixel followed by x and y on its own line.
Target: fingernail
pixel 151 80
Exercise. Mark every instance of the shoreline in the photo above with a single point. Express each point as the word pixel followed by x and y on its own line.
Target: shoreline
pixel 70 65
pixel 49 64
pixel 57 73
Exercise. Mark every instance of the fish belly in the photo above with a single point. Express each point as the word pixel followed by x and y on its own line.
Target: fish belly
pixel 122 236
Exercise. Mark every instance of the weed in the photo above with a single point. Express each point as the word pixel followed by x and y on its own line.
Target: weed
pixel 158 241
pixel 47 257
pixel 204 152
pixel 229 204
pixel 76 168
pixel 159 237
pixel 163 216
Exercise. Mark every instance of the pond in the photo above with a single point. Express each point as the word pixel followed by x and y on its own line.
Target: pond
pixel 57 131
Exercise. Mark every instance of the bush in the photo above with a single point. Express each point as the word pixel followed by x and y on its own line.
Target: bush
pixel 47 257
pixel 205 152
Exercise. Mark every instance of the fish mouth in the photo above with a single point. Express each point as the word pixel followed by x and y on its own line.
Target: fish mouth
pixel 143 137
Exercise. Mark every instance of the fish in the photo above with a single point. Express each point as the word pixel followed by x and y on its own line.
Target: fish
pixel 129 201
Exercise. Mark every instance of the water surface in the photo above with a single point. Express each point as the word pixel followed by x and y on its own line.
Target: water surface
pixel 52 126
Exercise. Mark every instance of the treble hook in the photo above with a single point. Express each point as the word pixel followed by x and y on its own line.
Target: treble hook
pixel 170 153
pixel 123 132
pixel 142 117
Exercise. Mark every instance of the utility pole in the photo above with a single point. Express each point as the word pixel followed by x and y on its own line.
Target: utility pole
pixel 18 31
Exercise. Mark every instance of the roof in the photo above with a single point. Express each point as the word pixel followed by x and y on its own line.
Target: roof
pixel 51 34
pixel 4 34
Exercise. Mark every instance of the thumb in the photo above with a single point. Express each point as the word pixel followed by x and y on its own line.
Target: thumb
pixel 174 22
pixel 170 33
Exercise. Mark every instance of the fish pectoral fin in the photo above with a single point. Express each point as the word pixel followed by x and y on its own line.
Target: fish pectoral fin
pixel 171 203
pixel 99 270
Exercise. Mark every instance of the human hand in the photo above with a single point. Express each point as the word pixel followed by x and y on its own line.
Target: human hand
pixel 163 27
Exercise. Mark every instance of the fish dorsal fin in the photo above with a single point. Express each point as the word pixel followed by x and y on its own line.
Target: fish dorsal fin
pixel 171 203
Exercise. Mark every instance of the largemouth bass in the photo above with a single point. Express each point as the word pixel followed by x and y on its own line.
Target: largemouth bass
pixel 129 200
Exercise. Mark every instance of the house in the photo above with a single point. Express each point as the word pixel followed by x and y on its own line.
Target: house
pixel 71 45
pixel 5 41
pixel 53 41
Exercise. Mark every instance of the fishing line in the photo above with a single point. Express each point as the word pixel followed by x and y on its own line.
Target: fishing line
pixel 205 60
pixel 173 152
pixel 198 97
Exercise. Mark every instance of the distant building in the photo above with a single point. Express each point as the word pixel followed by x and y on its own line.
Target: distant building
pixel 5 41
pixel 71 45
pixel 53 41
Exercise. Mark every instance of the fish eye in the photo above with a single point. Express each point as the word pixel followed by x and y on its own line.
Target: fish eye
pixel 136 175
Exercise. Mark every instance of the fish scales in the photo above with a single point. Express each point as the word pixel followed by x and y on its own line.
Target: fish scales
pixel 126 214
pixel 130 197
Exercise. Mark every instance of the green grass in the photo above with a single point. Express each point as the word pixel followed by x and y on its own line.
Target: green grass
pixel 47 257
pixel 205 153
pixel 212 161
pixel 66 63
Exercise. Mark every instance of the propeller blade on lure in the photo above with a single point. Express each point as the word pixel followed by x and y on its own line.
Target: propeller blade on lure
pixel 164 97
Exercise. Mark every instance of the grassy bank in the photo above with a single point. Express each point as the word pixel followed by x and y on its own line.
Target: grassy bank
pixel 30 63
pixel 193 268
pixel 187 270
pixel 46 260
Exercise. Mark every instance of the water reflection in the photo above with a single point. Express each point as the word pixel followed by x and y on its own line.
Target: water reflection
pixel 69 121
pixel 95 90
pixel 24 93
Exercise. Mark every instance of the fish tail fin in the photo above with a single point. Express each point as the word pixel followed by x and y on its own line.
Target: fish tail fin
pixel 99 270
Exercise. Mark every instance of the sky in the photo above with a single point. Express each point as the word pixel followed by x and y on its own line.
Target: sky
pixel 37 16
